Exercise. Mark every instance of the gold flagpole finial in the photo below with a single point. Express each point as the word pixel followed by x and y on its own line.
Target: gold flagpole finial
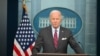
pixel 24 6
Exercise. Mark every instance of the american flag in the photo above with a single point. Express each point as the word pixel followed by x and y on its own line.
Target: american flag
pixel 24 40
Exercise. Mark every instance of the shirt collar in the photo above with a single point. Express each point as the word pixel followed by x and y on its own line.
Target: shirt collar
pixel 53 31
pixel 56 29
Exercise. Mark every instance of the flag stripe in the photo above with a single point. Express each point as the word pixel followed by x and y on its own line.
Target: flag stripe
pixel 32 46
pixel 14 53
pixel 18 47
pixel 17 51
pixel 26 54
pixel 29 50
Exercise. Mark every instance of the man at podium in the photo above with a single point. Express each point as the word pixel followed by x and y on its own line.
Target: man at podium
pixel 54 38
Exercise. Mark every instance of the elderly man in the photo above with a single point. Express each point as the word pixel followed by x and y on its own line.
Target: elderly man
pixel 54 38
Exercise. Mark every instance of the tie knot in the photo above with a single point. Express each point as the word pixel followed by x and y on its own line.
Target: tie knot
pixel 55 30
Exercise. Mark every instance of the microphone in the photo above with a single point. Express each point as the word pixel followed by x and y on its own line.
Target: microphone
pixel 81 45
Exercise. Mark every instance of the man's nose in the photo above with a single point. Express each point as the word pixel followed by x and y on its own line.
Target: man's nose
pixel 55 20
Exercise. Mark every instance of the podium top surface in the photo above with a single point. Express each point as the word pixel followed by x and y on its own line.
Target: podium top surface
pixel 60 54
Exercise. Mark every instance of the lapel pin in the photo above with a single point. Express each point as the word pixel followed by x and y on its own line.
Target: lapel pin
pixel 62 31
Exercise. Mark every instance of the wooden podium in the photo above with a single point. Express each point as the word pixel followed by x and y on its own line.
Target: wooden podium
pixel 59 54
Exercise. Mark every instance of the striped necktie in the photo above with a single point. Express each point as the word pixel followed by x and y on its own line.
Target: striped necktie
pixel 55 39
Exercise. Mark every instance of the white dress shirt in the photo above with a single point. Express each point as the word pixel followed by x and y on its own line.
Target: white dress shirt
pixel 53 31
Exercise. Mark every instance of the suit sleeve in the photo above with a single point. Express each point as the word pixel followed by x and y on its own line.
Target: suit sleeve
pixel 74 45
pixel 38 44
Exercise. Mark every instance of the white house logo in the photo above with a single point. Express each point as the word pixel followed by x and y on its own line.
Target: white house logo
pixel 70 20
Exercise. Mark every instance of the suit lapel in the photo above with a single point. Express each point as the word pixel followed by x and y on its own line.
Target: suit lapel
pixel 60 36
pixel 50 35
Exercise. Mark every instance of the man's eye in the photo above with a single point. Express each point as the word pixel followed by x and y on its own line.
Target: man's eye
pixel 53 18
pixel 57 18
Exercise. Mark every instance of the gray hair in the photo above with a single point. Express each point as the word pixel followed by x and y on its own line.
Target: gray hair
pixel 53 11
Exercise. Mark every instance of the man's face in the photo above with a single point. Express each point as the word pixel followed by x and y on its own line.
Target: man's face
pixel 55 19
